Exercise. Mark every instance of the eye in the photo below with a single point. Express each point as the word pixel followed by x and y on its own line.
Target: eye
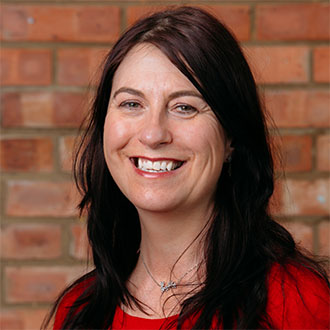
pixel 131 105
pixel 185 110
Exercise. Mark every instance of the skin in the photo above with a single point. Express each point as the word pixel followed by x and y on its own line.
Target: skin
pixel 155 112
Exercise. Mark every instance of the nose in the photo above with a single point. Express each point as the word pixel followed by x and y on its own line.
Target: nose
pixel 155 130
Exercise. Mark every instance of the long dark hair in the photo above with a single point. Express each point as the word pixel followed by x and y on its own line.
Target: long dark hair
pixel 243 241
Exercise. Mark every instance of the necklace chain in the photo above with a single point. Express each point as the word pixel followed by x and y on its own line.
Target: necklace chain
pixel 171 285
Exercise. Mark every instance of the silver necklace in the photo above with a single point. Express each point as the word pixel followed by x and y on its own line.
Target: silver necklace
pixel 171 285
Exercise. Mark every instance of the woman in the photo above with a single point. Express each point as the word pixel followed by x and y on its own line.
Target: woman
pixel 176 174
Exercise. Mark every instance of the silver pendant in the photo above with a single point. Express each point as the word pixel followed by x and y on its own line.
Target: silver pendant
pixel 164 287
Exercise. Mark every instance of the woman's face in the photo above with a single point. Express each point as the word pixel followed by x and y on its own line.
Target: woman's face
pixel 163 144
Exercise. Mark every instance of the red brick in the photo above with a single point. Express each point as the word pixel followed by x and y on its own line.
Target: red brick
pixel 276 200
pixel 306 197
pixel 133 13
pixel 299 108
pixel 147 1
pixel 296 152
pixel 69 109
pixel 79 244
pixel 80 66
pixel 324 238
pixel 43 109
pixel 279 64
pixel 41 198
pixel 66 152
pixel 25 66
pixel 23 319
pixel 100 23
pixel 30 241
pixel 10 321
pixel 321 64
pixel 60 23
pixel 304 21
pixel 26 154
pixel 302 234
pixel 37 284
pixel 237 18
pixel 323 153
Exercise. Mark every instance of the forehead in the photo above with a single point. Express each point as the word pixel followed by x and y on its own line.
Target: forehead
pixel 145 64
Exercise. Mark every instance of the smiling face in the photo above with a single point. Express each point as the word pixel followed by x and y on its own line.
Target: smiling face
pixel 163 145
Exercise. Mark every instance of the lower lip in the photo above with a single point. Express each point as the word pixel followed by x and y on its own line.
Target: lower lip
pixel 155 175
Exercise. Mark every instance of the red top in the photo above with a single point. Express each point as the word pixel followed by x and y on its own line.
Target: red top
pixel 298 302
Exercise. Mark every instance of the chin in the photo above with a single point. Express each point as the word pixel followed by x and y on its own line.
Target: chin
pixel 157 205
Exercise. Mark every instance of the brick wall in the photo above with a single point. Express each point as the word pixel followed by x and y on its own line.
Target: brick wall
pixel 50 54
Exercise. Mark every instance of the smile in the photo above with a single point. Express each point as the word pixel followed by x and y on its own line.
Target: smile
pixel 158 166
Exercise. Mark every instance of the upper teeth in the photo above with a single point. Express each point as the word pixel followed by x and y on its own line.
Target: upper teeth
pixel 157 166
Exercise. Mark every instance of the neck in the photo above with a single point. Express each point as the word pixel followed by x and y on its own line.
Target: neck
pixel 172 239
pixel 172 250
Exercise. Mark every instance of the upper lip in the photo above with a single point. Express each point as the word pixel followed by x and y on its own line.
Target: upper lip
pixel 155 159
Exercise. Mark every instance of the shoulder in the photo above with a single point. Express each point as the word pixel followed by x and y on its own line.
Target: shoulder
pixel 298 298
pixel 69 299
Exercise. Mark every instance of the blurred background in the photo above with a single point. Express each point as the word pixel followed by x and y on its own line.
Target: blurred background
pixel 50 56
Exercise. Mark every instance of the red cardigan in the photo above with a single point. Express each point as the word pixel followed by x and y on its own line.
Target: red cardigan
pixel 300 301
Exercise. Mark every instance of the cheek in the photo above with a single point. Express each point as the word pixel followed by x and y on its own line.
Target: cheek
pixel 206 139
pixel 116 134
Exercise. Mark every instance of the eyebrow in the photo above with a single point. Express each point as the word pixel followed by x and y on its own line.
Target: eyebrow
pixel 129 91
pixel 171 96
